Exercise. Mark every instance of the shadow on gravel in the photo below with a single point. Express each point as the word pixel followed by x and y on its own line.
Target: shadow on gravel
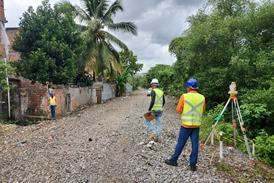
pixel 22 122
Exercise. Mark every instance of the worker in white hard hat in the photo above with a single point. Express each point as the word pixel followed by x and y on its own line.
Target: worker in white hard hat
pixel 156 107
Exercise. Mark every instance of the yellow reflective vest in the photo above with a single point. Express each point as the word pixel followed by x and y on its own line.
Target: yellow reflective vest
pixel 52 100
pixel 158 103
pixel 193 109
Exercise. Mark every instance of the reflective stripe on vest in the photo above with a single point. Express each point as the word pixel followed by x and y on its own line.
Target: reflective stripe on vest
pixel 158 103
pixel 193 109
pixel 52 101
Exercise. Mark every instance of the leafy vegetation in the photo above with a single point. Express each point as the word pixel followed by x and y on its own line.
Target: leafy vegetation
pixel 49 44
pixel 265 148
pixel 5 69
pixel 130 67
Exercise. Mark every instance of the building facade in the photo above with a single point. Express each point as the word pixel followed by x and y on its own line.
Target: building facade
pixel 2 12
pixel 11 32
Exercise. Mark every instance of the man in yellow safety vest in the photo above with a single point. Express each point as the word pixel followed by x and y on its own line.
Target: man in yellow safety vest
pixel 191 107
pixel 156 107
pixel 52 105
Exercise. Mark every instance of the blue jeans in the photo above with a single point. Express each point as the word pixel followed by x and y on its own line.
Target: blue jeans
pixel 52 111
pixel 155 129
pixel 185 133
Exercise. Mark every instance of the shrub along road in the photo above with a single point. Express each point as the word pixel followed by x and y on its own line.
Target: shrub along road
pixel 108 143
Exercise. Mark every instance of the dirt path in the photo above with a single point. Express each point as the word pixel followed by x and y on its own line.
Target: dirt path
pixel 104 143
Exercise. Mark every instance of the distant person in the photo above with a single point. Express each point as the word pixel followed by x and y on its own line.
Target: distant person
pixel 52 105
pixel 50 91
pixel 156 107
pixel 191 107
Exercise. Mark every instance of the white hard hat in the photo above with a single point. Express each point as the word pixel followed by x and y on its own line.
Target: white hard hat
pixel 154 81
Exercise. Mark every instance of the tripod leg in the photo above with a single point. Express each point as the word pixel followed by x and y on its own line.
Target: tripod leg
pixel 218 119
pixel 234 125
pixel 240 119
pixel 238 107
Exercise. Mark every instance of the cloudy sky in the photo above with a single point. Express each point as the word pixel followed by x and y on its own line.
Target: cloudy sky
pixel 158 22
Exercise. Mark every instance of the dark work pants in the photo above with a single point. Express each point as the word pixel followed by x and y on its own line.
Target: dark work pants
pixel 185 133
pixel 52 111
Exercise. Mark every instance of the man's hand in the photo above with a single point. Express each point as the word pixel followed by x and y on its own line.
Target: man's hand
pixel 202 146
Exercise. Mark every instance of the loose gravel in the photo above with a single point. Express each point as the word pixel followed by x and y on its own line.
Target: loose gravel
pixel 105 143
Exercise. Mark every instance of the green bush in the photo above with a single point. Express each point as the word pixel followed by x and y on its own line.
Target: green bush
pixel 49 43
pixel 258 110
pixel 166 76
pixel 227 130
pixel 135 82
pixel 208 121
pixel 265 148
pixel 4 68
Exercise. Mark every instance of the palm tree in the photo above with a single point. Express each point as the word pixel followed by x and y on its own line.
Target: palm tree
pixel 97 17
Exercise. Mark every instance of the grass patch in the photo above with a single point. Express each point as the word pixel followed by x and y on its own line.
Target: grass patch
pixel 248 174
pixel 231 172
pixel 266 171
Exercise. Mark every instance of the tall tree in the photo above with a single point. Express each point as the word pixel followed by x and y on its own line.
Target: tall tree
pixel 49 43
pixel 97 17
pixel 130 68
pixel 129 60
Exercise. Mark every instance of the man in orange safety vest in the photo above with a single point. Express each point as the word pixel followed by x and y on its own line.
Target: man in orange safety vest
pixel 191 107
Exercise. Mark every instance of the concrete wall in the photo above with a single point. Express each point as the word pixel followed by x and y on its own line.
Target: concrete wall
pixel 70 98
pixel 108 92
pixel 129 88
pixel 31 99
pixel 2 12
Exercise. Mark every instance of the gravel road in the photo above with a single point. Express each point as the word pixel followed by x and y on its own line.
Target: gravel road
pixel 103 143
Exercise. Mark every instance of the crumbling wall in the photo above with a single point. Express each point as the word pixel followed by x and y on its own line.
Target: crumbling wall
pixel 30 99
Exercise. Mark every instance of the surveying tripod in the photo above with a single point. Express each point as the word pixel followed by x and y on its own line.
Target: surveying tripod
pixel 235 108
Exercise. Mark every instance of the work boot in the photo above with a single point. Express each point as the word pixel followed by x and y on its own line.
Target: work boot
pixel 157 139
pixel 152 137
pixel 171 162
pixel 193 168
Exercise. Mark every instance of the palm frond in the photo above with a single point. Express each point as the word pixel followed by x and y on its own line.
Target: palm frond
pixel 115 40
pixel 91 65
pixel 81 14
pixel 88 7
pixel 112 58
pixel 95 4
pixel 101 57
pixel 112 51
pixel 82 28
pixel 116 66
pixel 124 26
pixel 101 8
pixel 113 9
